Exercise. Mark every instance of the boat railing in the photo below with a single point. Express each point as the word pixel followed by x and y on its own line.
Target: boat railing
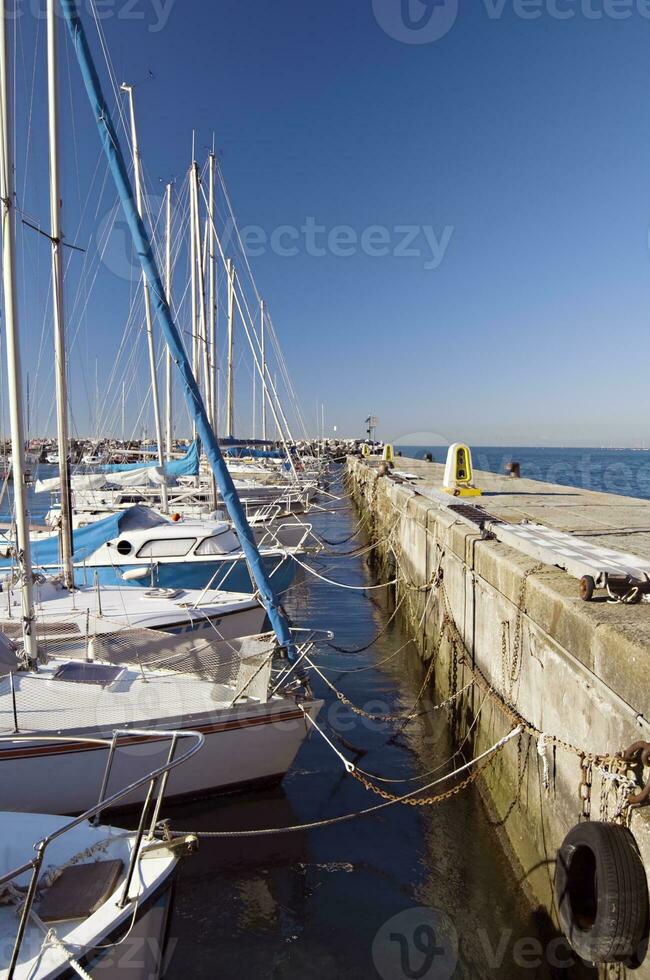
pixel 156 782
pixel 305 640
pixel 272 537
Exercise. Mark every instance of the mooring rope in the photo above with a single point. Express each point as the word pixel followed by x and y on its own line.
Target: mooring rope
pixel 377 636
pixel 341 585
pixel 430 772
pixel 391 800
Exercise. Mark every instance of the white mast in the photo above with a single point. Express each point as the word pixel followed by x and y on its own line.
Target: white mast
pixel 195 345
pixel 263 351
pixel 13 340
pixel 137 172
pixel 212 299
pixel 56 236
pixel 231 345
pixel 202 353
pixel 168 294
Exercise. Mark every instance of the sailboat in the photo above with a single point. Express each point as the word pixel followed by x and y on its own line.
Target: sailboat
pixel 139 545
pixel 245 696
pixel 72 891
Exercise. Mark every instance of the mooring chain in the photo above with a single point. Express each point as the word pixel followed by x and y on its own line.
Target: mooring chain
pixel 378 718
pixel 422 800
pixel 485 760
pixel 511 663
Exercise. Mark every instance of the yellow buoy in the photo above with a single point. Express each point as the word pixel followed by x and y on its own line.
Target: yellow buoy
pixel 389 455
pixel 459 472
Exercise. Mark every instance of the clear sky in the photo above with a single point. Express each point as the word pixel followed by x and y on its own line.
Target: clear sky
pixel 503 146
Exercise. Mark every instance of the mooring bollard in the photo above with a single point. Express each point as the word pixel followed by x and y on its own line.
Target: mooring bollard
pixel 513 469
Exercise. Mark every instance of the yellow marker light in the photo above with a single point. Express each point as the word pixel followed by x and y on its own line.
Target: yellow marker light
pixel 459 472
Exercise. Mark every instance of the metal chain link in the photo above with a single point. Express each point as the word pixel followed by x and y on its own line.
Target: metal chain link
pixel 422 800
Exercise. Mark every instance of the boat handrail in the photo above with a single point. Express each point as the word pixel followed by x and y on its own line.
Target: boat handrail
pixel 157 782
pixel 273 535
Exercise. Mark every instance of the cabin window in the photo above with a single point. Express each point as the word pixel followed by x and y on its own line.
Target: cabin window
pixel 167 548
pixel 216 545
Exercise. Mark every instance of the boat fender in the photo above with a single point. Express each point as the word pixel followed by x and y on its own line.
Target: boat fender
pixel 602 893
pixel 134 574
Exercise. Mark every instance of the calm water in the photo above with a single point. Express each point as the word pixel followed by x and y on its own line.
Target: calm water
pixel 319 904
pixel 623 471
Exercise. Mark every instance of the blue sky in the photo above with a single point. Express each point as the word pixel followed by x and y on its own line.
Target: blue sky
pixel 509 158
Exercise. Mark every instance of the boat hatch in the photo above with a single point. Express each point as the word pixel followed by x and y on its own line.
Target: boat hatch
pixel 88 673
pixel 80 890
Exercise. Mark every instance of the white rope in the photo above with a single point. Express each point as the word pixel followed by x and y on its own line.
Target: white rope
pixel 316 824
pixel 349 766
pixel 541 752
pixel 341 585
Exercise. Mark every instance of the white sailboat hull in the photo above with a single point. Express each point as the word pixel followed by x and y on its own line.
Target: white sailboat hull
pixel 247 745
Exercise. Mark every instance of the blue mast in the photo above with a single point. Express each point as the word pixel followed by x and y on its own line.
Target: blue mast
pixel 112 150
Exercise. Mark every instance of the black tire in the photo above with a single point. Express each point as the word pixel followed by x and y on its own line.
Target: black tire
pixel 602 893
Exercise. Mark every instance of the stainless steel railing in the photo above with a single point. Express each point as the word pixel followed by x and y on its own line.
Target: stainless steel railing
pixel 157 782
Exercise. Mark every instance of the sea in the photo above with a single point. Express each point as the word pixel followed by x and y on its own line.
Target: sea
pixel 621 471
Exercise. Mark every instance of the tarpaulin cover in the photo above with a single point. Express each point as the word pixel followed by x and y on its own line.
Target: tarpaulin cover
pixel 188 465
pixel 86 540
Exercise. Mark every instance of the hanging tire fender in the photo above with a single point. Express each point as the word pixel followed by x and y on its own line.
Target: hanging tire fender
pixel 602 893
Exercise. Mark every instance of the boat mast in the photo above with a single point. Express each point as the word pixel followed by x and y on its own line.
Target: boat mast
pixel 14 375
pixel 137 173
pixel 263 350
pixel 56 236
pixel 231 346
pixel 142 241
pixel 212 297
pixel 194 334
pixel 168 294
pixel 199 252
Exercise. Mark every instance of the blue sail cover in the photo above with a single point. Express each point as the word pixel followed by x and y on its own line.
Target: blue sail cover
pixel 188 465
pixel 86 540
pixel 142 242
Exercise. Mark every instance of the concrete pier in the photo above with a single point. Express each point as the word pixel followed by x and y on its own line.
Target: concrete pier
pixel 574 670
